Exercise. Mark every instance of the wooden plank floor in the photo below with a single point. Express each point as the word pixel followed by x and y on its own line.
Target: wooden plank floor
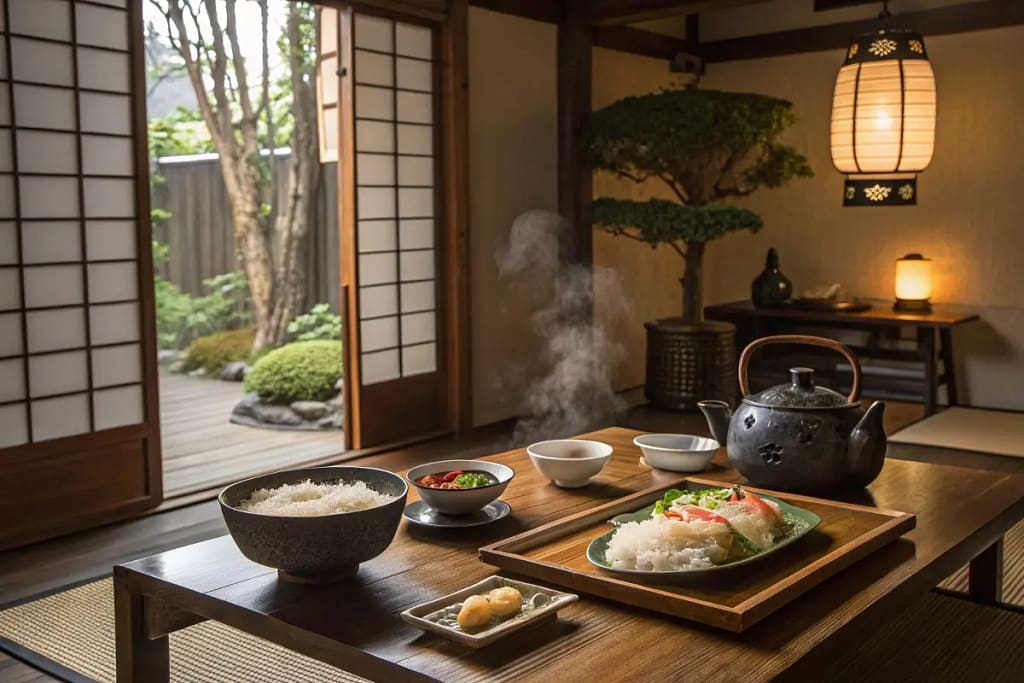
pixel 202 450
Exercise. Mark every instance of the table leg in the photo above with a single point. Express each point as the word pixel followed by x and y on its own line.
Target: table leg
pixel 949 365
pixel 926 349
pixel 139 658
pixel 985 575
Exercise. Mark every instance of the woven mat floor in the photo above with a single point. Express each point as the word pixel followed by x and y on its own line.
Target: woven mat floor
pixel 1013 570
pixel 75 628
pixel 939 639
pixel 968 429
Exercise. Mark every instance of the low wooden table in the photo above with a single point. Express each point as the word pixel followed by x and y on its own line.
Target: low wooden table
pixel 881 321
pixel 355 625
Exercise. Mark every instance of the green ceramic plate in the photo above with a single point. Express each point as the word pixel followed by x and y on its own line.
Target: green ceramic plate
pixel 799 523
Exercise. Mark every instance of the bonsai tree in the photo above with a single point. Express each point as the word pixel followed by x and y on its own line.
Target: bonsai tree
pixel 704 145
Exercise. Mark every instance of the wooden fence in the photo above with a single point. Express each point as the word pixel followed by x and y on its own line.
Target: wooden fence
pixel 199 232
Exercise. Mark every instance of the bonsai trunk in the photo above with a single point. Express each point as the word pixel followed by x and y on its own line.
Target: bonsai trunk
pixel 693 309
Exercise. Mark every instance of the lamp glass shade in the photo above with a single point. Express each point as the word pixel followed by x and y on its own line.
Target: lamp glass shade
pixel 913 278
pixel 883 117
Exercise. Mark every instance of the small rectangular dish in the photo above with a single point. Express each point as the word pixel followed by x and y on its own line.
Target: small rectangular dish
pixel 538 603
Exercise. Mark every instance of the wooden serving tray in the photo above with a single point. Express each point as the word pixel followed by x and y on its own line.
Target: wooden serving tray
pixel 734 599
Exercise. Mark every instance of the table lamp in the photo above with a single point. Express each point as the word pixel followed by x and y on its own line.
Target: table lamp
pixel 913 284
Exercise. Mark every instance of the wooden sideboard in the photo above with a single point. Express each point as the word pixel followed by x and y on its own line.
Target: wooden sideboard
pixel 895 367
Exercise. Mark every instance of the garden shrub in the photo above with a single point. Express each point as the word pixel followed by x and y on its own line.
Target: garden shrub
pixel 319 323
pixel 300 371
pixel 213 352
pixel 183 318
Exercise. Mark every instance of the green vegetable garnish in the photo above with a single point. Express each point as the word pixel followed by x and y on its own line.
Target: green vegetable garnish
pixel 471 480
pixel 666 501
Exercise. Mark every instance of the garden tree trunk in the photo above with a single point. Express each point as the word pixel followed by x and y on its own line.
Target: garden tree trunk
pixel 218 75
pixel 693 307
pixel 291 227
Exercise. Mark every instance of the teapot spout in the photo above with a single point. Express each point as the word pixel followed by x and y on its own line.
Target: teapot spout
pixel 867 445
pixel 717 414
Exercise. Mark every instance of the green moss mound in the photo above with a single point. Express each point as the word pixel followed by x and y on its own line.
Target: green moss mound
pixel 301 371
pixel 213 352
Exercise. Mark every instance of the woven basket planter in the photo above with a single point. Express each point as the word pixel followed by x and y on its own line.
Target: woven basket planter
pixel 687 363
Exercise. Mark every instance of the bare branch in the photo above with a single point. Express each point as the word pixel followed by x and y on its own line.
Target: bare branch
pixel 676 189
pixel 265 107
pixel 630 176
pixel 176 25
pixel 219 68
pixel 238 62
pixel 679 250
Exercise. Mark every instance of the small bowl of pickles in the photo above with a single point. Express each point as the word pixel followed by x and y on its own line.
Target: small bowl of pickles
pixel 460 487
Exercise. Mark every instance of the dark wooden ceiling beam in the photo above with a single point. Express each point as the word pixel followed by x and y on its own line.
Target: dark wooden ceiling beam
pixel 617 12
pixel 549 11
pixel 639 42
pixel 975 16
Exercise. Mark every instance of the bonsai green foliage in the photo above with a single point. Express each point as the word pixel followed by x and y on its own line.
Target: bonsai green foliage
pixel 705 146
pixel 214 351
pixel 665 221
pixel 319 323
pixel 300 371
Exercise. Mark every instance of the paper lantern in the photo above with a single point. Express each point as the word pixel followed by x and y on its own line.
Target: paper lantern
pixel 883 118
pixel 913 283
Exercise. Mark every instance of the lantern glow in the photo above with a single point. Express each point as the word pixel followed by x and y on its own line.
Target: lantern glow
pixel 913 283
pixel 883 118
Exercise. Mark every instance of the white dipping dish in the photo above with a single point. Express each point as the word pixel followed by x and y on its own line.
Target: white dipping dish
pixel 677 452
pixel 569 463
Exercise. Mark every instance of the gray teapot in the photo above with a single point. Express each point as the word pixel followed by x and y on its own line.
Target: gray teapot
pixel 798 436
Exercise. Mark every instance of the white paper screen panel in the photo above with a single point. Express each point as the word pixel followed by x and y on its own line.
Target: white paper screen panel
pixel 327 83
pixel 394 103
pixel 70 328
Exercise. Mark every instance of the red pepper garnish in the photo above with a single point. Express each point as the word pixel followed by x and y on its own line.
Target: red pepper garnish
pixel 451 476
pixel 691 512
pixel 752 503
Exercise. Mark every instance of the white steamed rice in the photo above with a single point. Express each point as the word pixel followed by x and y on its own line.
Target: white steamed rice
pixel 660 544
pixel 307 499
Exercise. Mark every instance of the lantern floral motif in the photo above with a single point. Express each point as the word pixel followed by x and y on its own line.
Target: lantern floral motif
pixel 883 118
pixel 877 193
pixel 882 47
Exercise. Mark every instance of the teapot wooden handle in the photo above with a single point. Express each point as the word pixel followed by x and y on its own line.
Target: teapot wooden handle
pixel 799 339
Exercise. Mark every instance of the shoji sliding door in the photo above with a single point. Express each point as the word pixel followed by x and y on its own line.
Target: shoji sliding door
pixel 388 151
pixel 79 438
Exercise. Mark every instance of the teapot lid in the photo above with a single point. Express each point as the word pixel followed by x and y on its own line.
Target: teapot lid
pixel 801 392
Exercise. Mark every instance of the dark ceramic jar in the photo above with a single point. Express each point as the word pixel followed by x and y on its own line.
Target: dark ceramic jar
pixel 798 436
pixel 771 287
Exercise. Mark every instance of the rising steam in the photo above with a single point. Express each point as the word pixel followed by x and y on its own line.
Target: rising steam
pixel 574 393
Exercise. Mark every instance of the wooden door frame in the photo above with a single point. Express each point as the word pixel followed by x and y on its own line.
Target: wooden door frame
pixel 453 251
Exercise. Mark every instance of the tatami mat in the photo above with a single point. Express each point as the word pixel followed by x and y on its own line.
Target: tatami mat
pixel 75 628
pixel 1013 569
pixel 940 638
pixel 968 429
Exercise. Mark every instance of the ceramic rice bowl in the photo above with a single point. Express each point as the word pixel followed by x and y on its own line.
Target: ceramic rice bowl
pixel 321 548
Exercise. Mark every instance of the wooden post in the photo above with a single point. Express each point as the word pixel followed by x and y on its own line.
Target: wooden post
pixel 455 120
pixel 575 185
